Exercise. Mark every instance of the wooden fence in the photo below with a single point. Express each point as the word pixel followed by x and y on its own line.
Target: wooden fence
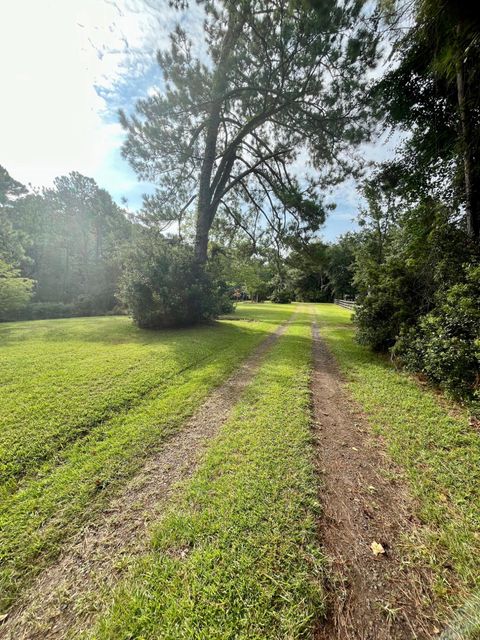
pixel 346 304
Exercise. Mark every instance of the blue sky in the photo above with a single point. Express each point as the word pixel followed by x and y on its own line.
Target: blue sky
pixel 68 66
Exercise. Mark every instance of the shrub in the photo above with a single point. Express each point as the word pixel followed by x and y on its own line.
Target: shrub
pixel 392 298
pixel 94 304
pixel 379 316
pixel 445 344
pixel 282 290
pixel 163 286
pixel 46 310
pixel 281 296
pixel 52 310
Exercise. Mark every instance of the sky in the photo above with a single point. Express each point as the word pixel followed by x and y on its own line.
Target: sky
pixel 67 66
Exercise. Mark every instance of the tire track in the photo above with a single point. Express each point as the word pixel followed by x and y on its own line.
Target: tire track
pixel 373 593
pixel 62 597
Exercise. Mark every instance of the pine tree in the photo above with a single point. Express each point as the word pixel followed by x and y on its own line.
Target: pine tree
pixel 223 135
pixel 12 249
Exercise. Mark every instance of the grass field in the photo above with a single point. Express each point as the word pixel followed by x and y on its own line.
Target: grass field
pixel 82 401
pixel 435 445
pixel 236 555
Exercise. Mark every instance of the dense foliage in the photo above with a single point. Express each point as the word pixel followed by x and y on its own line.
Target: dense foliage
pixel 417 277
pixel 445 343
pixel 164 286
pixel 15 291
pixel 418 254
pixel 65 242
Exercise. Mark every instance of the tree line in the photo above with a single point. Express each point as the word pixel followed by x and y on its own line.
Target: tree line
pixel 63 246
pixel 70 250
pixel 415 263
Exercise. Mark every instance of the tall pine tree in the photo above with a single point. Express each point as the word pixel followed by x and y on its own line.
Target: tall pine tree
pixel 227 128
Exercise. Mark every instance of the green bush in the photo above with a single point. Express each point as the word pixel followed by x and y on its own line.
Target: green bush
pixel 395 295
pixel 282 290
pixel 388 305
pixel 51 310
pixel 162 286
pixel 374 321
pixel 47 310
pixel 445 344
pixel 281 296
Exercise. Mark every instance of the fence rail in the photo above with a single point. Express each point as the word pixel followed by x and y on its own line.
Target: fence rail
pixel 346 304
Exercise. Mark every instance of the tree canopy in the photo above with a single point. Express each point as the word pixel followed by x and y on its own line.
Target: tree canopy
pixel 66 240
pixel 277 79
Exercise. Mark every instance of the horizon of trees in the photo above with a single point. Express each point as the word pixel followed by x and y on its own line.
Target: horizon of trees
pixel 63 250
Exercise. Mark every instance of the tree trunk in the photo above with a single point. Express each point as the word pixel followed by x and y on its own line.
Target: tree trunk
pixel 206 211
pixel 206 208
pixel 472 200
pixel 201 235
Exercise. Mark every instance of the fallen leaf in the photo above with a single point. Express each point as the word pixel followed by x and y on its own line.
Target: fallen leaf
pixel 377 548
pixel 355 448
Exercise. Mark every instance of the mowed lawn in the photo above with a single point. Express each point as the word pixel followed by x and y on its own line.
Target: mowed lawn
pixel 237 553
pixel 82 402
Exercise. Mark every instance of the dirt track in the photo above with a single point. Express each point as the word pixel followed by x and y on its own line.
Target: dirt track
pixel 371 597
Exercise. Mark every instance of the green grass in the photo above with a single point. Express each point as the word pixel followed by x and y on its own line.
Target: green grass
pixel 236 555
pixel 435 445
pixel 64 377
pixel 82 402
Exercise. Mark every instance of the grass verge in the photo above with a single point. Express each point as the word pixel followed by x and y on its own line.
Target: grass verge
pixel 436 446
pixel 68 487
pixel 236 554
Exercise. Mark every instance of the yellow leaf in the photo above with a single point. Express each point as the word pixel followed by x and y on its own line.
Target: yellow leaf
pixel 377 548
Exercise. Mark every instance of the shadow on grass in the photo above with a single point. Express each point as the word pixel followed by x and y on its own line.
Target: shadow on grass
pixel 121 329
